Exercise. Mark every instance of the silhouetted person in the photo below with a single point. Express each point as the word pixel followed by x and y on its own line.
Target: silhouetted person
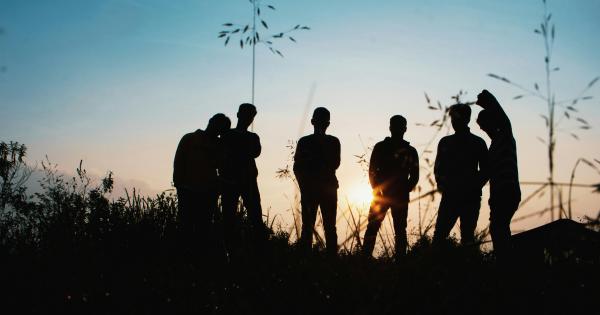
pixel 393 173
pixel 505 193
pixel 239 173
pixel 460 172
pixel 196 179
pixel 315 162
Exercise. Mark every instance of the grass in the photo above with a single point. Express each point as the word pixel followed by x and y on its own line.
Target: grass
pixel 69 249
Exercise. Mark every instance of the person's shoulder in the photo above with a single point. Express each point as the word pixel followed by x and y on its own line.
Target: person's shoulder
pixel 447 138
pixel 192 135
pixel 333 139
pixel 477 139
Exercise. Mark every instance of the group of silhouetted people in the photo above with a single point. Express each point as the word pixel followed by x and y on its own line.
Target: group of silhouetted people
pixel 220 161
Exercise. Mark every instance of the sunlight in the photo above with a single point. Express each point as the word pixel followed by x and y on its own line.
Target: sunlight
pixel 360 195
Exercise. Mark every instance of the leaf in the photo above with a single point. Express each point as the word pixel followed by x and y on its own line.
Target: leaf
pixel 549 17
pixel 587 97
pixel 226 40
pixel 235 31
pixel 258 11
pixel 264 23
pixel 552 32
pixel 541 140
pixel 427 98
pixel 305 28
pixel 597 161
pixel 536 31
pixel 269 42
pixel 574 136
pixel 581 120
pixel 567 115
pixel 545 119
pixel 432 108
pixel 584 127
pixel 279 53
pixel 241 43
pixel 571 108
pixel 222 35
pixel 257 38
pixel 439 105
pixel 271 7
pixel 556 69
pixel 593 82
pixel 498 77
pixel 246 28
pixel 433 123
pixel 536 86
pixel 271 49
pixel 292 39
pixel 518 97
pixel 297 27
pixel 227 24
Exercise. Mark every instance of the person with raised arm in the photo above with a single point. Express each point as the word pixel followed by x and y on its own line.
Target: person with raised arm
pixel 505 192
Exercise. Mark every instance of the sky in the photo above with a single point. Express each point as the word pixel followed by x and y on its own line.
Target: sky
pixel 116 83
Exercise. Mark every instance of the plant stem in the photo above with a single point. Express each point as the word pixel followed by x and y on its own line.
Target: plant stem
pixel 253 45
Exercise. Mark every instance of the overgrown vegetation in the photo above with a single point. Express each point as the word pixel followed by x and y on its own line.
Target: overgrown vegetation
pixel 69 249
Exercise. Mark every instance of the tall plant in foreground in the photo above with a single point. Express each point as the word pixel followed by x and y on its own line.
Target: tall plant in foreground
pixel 248 34
pixel 557 111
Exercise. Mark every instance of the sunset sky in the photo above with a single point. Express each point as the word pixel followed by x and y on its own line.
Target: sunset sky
pixel 118 82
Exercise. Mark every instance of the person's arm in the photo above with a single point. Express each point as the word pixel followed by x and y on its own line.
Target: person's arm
pixel 300 161
pixel 439 170
pixel 482 158
pixel 489 102
pixel 254 147
pixel 374 165
pixel 413 177
pixel 180 155
pixel 336 154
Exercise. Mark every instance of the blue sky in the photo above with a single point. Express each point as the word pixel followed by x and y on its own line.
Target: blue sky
pixel 118 82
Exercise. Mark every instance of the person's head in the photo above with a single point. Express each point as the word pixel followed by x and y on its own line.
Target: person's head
pixel 245 115
pixel 460 116
pixel 218 124
pixel 397 126
pixel 486 122
pixel 320 119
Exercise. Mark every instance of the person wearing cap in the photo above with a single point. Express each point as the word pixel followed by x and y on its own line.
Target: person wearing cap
pixel 393 173
pixel 196 180
pixel 460 172
pixel 239 174
pixel 505 192
pixel 316 160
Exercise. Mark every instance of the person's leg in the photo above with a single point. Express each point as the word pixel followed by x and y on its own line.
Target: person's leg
pixel 184 209
pixel 469 213
pixel 309 205
pixel 376 215
pixel 446 218
pixel 400 216
pixel 501 213
pixel 251 197
pixel 207 206
pixel 329 211
pixel 229 203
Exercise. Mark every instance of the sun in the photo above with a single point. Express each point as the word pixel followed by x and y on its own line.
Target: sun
pixel 360 195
